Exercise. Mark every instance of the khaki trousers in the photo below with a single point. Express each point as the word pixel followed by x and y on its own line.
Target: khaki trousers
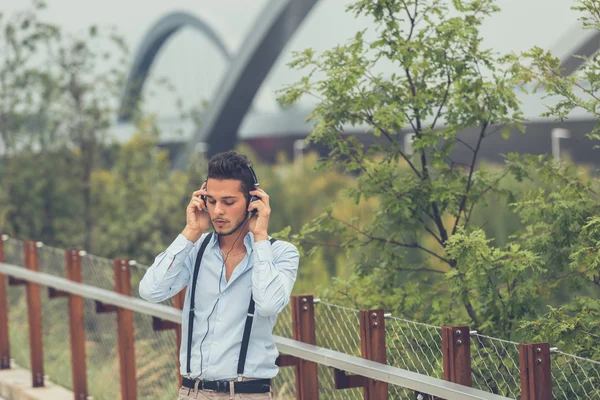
pixel 189 394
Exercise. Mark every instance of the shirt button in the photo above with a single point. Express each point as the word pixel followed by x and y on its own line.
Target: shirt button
pixel 219 318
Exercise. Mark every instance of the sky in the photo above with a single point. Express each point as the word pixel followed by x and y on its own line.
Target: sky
pixel 196 68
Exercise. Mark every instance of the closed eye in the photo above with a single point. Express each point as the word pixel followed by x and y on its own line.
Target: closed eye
pixel 228 203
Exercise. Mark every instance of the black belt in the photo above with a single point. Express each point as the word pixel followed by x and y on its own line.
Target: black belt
pixel 254 386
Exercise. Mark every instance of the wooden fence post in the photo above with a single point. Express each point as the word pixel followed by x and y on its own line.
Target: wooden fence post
pixel 76 325
pixel 34 313
pixel 372 340
pixel 536 373
pixel 373 347
pixel 125 331
pixel 4 341
pixel 456 351
pixel 456 357
pixel 77 328
pixel 303 328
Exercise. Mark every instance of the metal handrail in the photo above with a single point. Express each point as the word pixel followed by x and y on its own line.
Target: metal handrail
pixel 93 292
pixel 370 369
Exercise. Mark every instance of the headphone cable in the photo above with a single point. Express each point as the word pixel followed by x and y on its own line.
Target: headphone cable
pixel 216 302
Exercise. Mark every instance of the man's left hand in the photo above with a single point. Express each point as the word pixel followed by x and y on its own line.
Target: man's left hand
pixel 259 223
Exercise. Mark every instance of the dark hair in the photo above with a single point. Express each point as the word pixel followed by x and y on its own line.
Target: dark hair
pixel 231 165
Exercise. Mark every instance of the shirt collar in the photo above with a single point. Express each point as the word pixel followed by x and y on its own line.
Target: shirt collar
pixel 248 241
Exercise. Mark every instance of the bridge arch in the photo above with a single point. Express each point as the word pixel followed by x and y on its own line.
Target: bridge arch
pixel 156 37
pixel 275 25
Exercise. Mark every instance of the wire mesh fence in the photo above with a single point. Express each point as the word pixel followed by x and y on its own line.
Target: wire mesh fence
pixel 285 381
pixel 495 365
pixel 414 347
pixel 575 377
pixel 337 328
pixel 155 352
pixel 97 271
pixel 410 345
pixel 14 251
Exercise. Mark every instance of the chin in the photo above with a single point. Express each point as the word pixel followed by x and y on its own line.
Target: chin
pixel 224 231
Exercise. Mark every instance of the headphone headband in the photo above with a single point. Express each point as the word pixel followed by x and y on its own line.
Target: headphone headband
pixel 256 184
pixel 252 173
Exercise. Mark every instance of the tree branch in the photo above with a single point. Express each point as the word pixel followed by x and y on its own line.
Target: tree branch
pixel 394 242
pixel 483 193
pixel 465 143
pixel 463 202
pixel 439 111
pixel 389 137
pixel 436 212
pixel 432 233
pixel 335 245
pixel 423 269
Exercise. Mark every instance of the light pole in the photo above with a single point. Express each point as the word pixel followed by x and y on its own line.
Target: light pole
pixel 409 138
pixel 557 134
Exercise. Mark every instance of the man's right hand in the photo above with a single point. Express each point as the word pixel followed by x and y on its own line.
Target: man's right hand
pixel 197 218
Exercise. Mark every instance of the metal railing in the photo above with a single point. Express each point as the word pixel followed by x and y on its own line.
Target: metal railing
pixel 322 356
pixel 491 365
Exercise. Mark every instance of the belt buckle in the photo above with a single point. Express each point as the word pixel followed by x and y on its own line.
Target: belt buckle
pixel 225 386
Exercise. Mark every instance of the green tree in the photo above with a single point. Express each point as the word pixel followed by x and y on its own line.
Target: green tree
pixel 59 94
pixel 443 82
pixel 24 93
pixel 422 247
pixel 426 247
pixel 89 76
pixel 567 228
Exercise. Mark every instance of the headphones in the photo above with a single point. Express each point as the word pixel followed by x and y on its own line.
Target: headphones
pixel 255 184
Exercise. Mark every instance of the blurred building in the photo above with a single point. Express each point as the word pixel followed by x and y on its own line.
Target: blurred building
pixel 202 47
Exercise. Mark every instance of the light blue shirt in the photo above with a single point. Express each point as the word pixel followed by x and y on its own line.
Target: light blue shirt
pixel 267 271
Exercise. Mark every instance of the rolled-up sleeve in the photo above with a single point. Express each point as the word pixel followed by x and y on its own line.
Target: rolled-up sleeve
pixel 274 273
pixel 169 273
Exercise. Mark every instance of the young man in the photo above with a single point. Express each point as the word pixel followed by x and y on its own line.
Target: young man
pixel 244 279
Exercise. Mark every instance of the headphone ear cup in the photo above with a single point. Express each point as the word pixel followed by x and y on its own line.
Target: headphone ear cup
pixel 204 197
pixel 253 198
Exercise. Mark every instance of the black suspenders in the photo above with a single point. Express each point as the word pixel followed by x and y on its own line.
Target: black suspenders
pixel 192 300
pixel 249 317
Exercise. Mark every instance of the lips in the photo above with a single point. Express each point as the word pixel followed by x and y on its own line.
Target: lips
pixel 219 222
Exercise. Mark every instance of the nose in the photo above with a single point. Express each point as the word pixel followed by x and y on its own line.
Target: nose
pixel 218 210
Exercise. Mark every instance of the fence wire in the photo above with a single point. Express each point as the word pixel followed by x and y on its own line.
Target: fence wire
pixel 285 381
pixel 411 345
pixel 14 252
pixel 337 328
pixel 495 365
pixel 414 347
pixel 575 377
pixel 155 352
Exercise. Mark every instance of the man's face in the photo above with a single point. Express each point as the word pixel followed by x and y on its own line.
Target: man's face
pixel 226 205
